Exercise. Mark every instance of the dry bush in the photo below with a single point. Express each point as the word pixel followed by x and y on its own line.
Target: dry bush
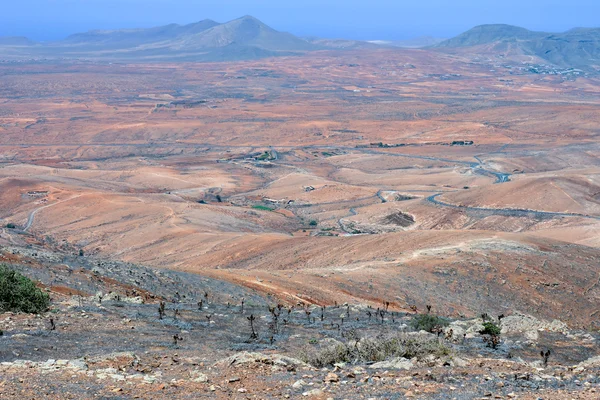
pixel 375 349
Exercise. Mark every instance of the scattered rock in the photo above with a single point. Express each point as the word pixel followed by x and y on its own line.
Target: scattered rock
pixel 198 377
pixel 593 362
pixel 518 323
pixel 251 358
pixel 396 363
pixel 314 392
pixel 298 384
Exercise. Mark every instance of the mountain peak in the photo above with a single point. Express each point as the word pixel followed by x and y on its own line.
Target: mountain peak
pixel 242 38
pixel 484 34
pixel 249 21
pixel 249 18
pixel 578 47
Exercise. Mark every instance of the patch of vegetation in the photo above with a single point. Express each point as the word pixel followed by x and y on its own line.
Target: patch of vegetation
pixel 490 328
pixel 19 294
pixel 313 222
pixel 10 225
pixel 428 322
pixel 375 350
pixel 265 156
pixel 262 208
pixel 491 333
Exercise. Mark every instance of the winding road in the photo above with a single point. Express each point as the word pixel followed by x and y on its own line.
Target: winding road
pixel 501 177
pixel 478 167
pixel 508 212
pixel 32 214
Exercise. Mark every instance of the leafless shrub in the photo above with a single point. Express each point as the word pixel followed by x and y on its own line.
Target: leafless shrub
pixel 545 356
pixel 161 310
pixel 251 318
pixel 176 339
pixel 307 312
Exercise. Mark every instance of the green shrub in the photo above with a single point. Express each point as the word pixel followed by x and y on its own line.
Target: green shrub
pixel 313 222
pixel 19 294
pixel 10 225
pixel 262 208
pixel 428 322
pixel 489 328
pixel 265 156
pixel 375 349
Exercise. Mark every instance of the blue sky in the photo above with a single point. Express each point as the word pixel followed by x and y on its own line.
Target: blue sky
pixel 353 19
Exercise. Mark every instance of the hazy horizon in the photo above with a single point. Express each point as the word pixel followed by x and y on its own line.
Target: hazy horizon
pixel 352 19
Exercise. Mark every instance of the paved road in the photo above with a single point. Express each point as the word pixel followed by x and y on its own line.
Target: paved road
pixel 509 212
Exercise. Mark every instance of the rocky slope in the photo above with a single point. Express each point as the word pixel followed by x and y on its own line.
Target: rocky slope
pixel 104 337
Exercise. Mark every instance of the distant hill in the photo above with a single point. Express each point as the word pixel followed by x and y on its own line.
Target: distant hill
pixel 15 41
pixel 579 47
pixel 240 39
pixel 245 31
pixel 485 34
pixel 136 37
pixel 248 38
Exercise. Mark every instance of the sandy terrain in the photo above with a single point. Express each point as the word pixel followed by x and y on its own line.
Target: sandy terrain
pixel 405 175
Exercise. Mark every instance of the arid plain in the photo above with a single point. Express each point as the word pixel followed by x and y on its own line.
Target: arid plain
pixel 409 176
